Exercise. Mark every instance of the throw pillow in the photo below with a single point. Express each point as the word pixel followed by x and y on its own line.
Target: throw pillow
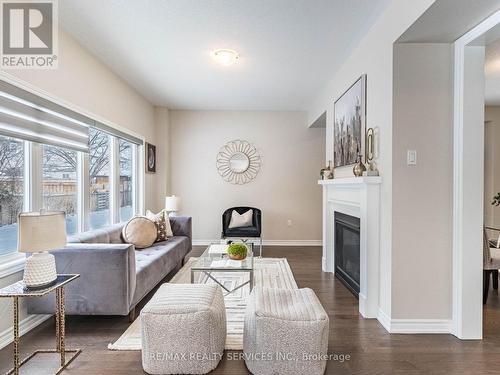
pixel 243 220
pixel 139 231
pixel 162 222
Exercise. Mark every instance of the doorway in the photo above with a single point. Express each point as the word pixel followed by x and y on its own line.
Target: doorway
pixel 469 195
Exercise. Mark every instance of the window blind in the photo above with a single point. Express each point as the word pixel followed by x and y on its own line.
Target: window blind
pixel 27 116
pixel 117 133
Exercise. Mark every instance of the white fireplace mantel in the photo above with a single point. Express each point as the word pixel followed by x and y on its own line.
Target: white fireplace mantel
pixel 358 197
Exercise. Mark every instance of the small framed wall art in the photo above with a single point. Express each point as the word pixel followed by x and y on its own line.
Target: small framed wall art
pixel 150 158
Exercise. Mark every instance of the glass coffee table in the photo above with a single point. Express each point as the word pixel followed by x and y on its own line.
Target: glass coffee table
pixel 214 261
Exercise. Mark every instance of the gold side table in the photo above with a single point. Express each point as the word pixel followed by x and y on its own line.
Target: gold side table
pixel 19 290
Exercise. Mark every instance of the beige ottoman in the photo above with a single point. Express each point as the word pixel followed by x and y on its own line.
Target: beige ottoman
pixel 183 329
pixel 286 332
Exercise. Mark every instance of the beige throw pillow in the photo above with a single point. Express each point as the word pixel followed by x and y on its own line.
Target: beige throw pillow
pixel 162 221
pixel 243 220
pixel 140 231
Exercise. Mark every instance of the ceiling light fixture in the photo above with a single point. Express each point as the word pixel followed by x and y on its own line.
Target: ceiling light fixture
pixel 225 57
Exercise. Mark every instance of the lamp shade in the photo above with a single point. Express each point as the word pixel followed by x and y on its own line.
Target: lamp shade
pixel 41 231
pixel 172 204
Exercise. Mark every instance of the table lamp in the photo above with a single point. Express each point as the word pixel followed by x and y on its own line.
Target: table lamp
pixel 172 205
pixel 39 232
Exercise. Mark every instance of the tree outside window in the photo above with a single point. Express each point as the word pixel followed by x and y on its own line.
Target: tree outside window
pixel 11 191
pixel 126 182
pixel 99 164
pixel 59 184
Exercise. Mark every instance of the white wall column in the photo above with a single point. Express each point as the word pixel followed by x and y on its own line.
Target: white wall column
pixel 468 200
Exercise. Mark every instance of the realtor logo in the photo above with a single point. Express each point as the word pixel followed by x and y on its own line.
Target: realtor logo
pixel 29 34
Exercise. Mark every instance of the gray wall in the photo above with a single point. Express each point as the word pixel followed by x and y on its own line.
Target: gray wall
pixel 422 194
pixel 285 189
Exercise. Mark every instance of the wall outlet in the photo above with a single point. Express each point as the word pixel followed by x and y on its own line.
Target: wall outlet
pixel 289 223
pixel 411 157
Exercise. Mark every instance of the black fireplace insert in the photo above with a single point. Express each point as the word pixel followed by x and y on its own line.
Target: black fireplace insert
pixel 347 247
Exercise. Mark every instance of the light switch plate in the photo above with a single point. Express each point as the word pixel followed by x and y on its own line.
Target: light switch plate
pixel 411 157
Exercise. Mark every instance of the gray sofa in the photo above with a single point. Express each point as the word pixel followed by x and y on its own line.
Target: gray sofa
pixel 114 276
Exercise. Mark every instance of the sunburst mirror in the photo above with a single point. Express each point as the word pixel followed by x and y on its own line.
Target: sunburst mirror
pixel 238 162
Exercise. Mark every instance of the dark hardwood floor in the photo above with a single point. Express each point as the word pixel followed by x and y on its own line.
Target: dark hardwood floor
pixel 371 349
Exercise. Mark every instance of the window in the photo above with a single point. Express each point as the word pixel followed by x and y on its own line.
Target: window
pixel 60 187
pixel 126 180
pixel 11 191
pixel 59 183
pixel 99 175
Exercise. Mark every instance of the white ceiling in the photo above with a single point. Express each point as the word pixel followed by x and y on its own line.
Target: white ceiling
pixel 288 48
pixel 447 20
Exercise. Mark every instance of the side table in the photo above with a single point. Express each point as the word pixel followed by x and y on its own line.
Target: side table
pixel 19 290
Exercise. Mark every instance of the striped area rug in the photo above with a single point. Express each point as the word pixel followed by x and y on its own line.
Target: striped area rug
pixel 268 272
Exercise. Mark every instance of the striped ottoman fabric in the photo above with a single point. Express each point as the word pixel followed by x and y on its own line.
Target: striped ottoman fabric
pixel 183 329
pixel 285 332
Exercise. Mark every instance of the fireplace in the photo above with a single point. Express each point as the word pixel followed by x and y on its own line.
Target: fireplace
pixel 358 197
pixel 347 251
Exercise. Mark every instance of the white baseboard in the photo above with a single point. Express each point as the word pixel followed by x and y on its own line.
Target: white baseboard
pixel 25 325
pixel 384 319
pixel 420 326
pixel 269 242
pixel 414 326
pixel 362 305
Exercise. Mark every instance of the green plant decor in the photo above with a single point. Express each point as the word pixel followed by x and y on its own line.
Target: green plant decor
pixel 496 200
pixel 237 251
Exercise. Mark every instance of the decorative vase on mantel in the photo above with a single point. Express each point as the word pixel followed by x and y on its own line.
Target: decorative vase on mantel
pixel 327 173
pixel 359 167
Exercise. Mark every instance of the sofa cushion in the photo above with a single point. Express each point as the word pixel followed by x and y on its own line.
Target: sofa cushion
pixel 155 262
pixel 162 223
pixel 115 233
pixel 241 220
pixel 243 232
pixel 140 231
pixel 92 236
pixel 181 226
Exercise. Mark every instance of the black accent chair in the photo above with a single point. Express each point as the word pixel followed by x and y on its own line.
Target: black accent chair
pixel 255 231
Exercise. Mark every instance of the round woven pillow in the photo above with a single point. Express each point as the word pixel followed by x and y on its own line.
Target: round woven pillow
pixel 140 231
